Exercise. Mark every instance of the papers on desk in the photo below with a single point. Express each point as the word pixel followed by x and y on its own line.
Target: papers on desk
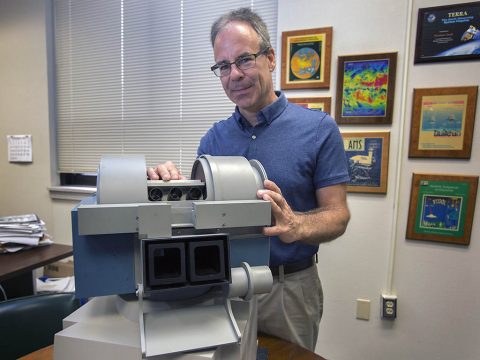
pixel 22 232
pixel 66 284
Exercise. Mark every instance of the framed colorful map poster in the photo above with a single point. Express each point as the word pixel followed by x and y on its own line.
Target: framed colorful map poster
pixel 442 122
pixel 448 33
pixel 317 103
pixel 306 58
pixel 367 155
pixel 365 88
pixel 441 208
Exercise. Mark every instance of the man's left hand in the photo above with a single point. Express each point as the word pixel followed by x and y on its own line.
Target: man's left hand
pixel 285 221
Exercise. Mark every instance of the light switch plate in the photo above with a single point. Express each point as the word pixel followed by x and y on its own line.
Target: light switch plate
pixel 363 309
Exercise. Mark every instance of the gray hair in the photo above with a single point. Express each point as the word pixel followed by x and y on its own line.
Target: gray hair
pixel 244 15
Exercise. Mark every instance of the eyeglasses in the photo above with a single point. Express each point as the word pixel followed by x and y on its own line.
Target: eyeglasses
pixel 243 63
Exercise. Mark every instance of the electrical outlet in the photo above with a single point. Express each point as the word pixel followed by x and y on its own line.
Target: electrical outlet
pixel 389 306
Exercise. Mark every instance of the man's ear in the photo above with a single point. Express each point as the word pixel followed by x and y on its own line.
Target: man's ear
pixel 271 58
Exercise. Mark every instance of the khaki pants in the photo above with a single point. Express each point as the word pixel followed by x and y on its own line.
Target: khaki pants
pixel 292 311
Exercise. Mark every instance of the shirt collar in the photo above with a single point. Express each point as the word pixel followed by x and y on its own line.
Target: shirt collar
pixel 267 114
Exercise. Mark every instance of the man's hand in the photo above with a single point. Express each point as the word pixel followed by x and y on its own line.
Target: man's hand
pixel 325 223
pixel 166 171
pixel 285 224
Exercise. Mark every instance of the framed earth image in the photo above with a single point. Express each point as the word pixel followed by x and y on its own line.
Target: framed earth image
pixel 365 88
pixel 306 58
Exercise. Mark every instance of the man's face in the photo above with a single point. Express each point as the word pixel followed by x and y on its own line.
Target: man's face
pixel 250 89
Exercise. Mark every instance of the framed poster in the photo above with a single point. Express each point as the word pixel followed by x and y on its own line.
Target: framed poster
pixel 306 58
pixel 367 154
pixel 441 208
pixel 448 33
pixel 318 103
pixel 365 88
pixel 442 122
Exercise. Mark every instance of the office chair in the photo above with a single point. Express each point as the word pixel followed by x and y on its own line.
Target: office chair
pixel 29 323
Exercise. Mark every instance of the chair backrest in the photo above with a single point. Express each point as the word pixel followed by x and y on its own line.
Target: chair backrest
pixel 30 323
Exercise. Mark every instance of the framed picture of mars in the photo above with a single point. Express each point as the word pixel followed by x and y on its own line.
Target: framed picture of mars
pixel 306 58
pixel 367 155
pixel 441 208
pixel 365 88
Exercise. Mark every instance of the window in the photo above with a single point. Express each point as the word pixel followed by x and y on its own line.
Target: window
pixel 133 77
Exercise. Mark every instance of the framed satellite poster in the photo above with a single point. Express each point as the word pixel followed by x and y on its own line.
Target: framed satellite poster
pixel 441 208
pixel 365 88
pixel 317 103
pixel 442 122
pixel 306 58
pixel 448 33
pixel 367 155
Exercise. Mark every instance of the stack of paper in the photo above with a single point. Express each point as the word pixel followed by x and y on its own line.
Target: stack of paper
pixel 22 231
pixel 65 284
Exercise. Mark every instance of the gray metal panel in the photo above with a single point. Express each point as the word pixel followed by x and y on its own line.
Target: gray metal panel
pixel 107 219
pixel 151 220
pixel 98 331
pixel 231 214
pixel 201 327
pixel 182 213
pixel 154 220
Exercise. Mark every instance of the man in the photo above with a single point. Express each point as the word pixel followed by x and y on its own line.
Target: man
pixel 303 155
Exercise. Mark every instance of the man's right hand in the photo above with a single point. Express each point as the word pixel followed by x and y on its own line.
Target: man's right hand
pixel 166 171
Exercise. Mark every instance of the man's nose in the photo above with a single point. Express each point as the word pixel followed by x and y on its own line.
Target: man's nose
pixel 235 71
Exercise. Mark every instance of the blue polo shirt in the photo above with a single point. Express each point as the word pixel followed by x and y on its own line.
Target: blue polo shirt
pixel 301 150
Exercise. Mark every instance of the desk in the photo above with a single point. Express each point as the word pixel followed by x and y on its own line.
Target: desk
pixel 277 350
pixel 16 275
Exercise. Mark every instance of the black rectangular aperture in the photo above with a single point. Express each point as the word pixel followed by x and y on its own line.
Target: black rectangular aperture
pixel 166 263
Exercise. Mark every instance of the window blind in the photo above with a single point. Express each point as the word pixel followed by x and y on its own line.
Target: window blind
pixel 133 77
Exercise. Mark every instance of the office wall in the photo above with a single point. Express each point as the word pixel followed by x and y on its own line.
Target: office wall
pixel 435 283
pixel 438 283
pixel 24 107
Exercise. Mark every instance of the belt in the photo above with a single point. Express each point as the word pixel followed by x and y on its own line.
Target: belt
pixel 293 267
